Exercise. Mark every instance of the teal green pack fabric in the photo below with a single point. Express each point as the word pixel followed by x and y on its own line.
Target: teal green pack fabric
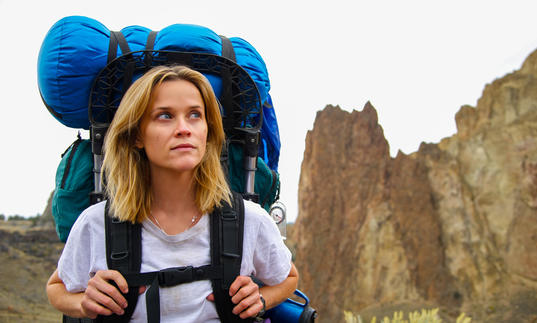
pixel 74 183
pixel 267 181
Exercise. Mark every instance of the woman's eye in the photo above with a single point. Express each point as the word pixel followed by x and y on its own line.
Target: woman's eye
pixel 195 114
pixel 164 115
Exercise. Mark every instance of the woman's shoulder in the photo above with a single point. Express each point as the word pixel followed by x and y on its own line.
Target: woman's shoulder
pixel 94 210
pixel 92 216
pixel 258 221
pixel 254 212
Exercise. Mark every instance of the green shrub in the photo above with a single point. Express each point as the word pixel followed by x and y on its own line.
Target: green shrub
pixel 16 217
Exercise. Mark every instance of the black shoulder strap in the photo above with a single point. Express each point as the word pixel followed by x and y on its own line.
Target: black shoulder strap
pixel 227 232
pixel 123 241
pixel 124 254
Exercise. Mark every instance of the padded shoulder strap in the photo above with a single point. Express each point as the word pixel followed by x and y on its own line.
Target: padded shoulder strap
pixel 227 232
pixel 124 254
pixel 123 243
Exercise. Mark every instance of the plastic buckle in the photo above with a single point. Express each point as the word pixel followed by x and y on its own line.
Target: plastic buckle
pixel 229 215
pixel 175 276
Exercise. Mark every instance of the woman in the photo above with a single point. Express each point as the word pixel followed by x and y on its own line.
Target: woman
pixel 163 170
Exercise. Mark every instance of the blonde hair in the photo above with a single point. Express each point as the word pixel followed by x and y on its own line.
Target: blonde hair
pixel 126 167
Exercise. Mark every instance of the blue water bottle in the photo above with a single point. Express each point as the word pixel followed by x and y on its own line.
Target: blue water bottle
pixel 292 311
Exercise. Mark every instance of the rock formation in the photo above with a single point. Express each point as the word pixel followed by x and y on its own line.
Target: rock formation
pixel 46 220
pixel 453 225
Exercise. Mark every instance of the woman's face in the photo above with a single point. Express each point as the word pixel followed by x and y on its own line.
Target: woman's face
pixel 174 127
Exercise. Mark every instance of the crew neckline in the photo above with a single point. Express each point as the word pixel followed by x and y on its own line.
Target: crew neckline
pixel 200 226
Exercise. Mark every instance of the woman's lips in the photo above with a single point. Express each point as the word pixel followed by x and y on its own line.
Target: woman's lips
pixel 183 146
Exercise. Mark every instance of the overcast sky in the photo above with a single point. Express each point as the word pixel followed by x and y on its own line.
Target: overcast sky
pixel 416 61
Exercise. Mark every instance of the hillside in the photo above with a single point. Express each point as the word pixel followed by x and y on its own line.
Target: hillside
pixel 28 255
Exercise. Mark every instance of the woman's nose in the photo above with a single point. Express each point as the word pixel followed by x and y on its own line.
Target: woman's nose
pixel 182 128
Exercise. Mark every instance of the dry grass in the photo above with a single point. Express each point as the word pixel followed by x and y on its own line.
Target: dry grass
pixel 27 256
pixel 425 316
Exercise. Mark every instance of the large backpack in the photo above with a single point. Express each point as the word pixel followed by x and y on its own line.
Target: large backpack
pixel 84 70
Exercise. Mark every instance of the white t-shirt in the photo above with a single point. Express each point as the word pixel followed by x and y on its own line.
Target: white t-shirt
pixel 265 256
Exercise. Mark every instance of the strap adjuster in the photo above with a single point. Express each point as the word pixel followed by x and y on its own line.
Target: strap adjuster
pixel 229 215
pixel 175 276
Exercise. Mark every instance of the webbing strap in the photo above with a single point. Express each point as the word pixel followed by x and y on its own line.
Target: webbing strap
pixel 150 43
pixel 117 38
pixel 174 276
pixel 112 48
pixel 149 47
pixel 168 278
pixel 227 49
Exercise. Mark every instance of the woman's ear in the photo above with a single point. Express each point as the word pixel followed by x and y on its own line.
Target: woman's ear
pixel 138 142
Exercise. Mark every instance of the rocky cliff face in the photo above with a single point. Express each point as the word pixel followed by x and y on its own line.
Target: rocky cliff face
pixel 453 225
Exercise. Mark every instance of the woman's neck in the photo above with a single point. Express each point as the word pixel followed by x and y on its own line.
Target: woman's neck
pixel 174 201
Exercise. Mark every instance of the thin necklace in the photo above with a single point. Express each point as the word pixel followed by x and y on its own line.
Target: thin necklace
pixel 194 218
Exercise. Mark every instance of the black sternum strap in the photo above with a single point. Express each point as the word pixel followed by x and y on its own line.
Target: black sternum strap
pixel 168 278
pixel 174 276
